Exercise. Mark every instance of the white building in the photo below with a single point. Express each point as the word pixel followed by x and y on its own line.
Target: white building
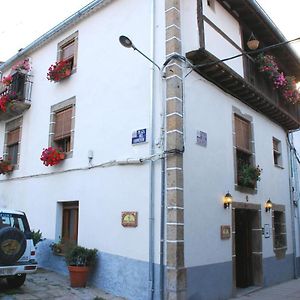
pixel 207 125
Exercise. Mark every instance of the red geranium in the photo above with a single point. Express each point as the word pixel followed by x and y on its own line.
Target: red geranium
pixel 59 70
pixel 51 156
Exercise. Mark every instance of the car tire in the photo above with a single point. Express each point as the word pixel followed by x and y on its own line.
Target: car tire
pixel 12 245
pixel 15 281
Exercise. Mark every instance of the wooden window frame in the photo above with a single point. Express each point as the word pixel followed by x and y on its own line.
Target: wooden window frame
pixel 73 38
pixel 11 126
pixel 57 108
pixel 236 113
pixel 67 207
pixel 277 152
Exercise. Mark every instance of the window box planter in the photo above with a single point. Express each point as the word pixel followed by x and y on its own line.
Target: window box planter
pixel 5 166
pixel 59 71
pixel 248 176
pixel 52 156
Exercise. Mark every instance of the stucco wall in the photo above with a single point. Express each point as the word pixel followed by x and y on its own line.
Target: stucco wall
pixel 112 88
pixel 209 172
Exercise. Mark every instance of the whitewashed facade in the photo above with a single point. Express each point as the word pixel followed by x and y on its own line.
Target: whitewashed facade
pixel 116 91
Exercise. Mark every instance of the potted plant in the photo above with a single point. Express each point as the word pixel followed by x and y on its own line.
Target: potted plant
pixel 60 70
pixel 5 166
pixel 22 66
pixel 36 236
pixel 248 175
pixel 61 247
pixel 52 156
pixel 79 261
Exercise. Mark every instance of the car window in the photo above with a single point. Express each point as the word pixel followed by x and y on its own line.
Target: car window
pixel 12 220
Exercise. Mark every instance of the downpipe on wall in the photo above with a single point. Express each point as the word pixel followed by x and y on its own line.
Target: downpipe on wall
pixel 291 188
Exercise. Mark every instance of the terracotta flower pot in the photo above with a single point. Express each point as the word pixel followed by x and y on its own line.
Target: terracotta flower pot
pixel 78 276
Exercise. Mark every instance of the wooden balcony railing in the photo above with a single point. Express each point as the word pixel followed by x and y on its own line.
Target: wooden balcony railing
pixel 254 89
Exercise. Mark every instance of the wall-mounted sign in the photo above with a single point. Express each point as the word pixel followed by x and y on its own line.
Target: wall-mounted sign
pixel 266 231
pixel 201 138
pixel 225 232
pixel 129 218
pixel 139 136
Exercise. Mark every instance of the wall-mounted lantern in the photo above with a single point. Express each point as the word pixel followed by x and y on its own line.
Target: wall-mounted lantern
pixel 268 205
pixel 227 200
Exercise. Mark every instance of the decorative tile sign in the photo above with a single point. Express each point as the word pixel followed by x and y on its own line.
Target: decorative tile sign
pixel 201 138
pixel 129 218
pixel 225 232
pixel 139 136
pixel 266 231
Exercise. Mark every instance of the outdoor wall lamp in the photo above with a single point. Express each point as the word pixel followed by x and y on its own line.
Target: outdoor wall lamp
pixel 127 43
pixel 227 200
pixel 268 205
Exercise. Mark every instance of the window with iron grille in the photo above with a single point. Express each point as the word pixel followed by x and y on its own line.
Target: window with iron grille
pixel 279 230
pixel 12 141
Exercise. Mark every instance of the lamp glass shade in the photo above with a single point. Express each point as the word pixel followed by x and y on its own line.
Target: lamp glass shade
pixel 227 200
pixel 125 41
pixel 268 205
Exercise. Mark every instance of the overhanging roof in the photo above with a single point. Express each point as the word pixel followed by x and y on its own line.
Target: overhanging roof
pixel 250 14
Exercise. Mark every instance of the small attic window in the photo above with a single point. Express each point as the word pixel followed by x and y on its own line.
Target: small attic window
pixel 211 4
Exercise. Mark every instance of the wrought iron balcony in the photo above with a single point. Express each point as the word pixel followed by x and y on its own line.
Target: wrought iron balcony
pixel 254 89
pixel 19 93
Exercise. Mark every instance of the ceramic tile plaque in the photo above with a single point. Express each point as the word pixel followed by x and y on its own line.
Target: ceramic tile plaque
pixel 225 232
pixel 129 218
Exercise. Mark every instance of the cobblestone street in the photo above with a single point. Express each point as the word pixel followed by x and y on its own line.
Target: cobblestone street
pixel 45 284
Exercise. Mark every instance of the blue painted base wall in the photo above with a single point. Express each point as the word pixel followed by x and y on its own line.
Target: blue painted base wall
pixel 210 282
pixel 114 274
pixel 214 282
pixel 128 278
pixel 278 270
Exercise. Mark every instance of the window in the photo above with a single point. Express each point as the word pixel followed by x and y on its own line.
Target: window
pixel 67 50
pixel 243 145
pixel 12 141
pixel 70 221
pixel 277 152
pixel 62 129
pixel 279 230
pixel 62 126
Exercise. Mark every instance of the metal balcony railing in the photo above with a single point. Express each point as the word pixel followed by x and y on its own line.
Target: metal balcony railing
pixel 19 93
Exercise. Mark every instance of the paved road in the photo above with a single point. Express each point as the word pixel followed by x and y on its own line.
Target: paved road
pixel 289 290
pixel 49 285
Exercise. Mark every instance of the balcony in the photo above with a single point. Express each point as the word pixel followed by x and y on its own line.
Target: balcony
pixel 20 95
pixel 254 89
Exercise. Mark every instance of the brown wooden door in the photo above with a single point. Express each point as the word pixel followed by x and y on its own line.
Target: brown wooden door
pixel 243 247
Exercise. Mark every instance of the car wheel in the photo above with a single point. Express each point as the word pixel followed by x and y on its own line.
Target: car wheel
pixel 12 245
pixel 15 281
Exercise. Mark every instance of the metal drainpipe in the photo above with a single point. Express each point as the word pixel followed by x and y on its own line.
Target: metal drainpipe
pixel 292 205
pixel 151 266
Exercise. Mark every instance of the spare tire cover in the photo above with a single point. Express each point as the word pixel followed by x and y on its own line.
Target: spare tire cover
pixel 12 245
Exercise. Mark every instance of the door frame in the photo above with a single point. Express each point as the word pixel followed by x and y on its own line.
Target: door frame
pixel 256 243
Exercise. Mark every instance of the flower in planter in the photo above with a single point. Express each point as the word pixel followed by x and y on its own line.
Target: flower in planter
pixel 59 71
pixel 5 166
pixel 52 156
pixel 5 100
pixel 7 80
pixel 23 65
pixel 267 64
pixel 248 175
pixel 290 91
